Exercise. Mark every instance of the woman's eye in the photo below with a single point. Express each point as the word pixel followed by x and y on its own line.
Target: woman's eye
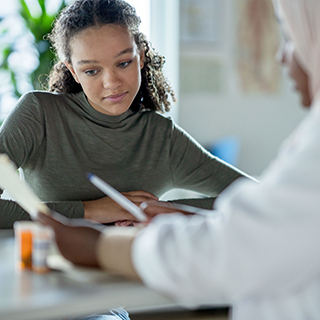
pixel 124 64
pixel 90 72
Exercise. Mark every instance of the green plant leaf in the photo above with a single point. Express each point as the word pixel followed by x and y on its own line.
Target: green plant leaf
pixel 24 10
pixel 42 4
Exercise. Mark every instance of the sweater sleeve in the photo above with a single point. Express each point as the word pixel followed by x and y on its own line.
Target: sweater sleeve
pixel 10 211
pixel 19 139
pixel 20 136
pixel 23 130
pixel 194 168
pixel 70 209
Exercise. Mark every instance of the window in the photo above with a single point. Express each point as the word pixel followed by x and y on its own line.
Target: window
pixel 143 10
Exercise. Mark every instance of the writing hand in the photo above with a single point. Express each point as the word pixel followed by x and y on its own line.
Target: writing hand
pixel 77 243
pixel 105 210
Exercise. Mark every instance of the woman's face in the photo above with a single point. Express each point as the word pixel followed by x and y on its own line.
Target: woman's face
pixel 288 57
pixel 107 64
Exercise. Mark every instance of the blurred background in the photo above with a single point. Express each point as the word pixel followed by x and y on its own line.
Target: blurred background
pixel 233 96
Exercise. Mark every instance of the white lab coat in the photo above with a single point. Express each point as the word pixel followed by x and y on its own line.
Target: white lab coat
pixel 259 251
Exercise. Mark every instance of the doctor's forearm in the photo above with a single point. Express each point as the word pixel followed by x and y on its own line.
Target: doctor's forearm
pixel 114 251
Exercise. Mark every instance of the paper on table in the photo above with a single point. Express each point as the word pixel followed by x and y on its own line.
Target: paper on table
pixel 18 189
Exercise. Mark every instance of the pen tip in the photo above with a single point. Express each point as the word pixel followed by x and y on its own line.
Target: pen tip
pixel 89 175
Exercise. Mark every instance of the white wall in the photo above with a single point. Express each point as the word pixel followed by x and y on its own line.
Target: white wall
pixel 164 36
pixel 261 121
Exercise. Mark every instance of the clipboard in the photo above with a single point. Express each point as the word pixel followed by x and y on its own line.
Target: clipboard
pixel 20 191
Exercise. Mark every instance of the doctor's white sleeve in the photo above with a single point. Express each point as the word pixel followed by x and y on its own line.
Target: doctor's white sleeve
pixel 262 238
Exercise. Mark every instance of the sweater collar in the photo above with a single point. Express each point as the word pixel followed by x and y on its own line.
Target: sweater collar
pixel 99 116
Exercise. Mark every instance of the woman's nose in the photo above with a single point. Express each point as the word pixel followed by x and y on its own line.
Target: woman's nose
pixel 111 80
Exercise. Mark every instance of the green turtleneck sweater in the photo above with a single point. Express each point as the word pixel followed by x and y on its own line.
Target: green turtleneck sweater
pixel 58 138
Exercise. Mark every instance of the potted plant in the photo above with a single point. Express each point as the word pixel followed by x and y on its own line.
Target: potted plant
pixel 27 45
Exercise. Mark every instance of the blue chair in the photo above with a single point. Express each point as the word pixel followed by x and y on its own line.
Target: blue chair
pixel 227 149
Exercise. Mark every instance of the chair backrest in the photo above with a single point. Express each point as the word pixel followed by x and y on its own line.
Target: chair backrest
pixel 227 149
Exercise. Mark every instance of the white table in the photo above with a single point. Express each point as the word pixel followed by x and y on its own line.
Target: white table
pixel 27 295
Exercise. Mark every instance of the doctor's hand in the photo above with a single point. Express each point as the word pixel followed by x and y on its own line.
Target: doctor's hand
pixel 77 243
pixel 105 210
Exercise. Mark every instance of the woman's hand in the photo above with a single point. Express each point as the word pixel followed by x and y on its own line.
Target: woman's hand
pixel 76 243
pixel 129 223
pixel 105 210
pixel 153 208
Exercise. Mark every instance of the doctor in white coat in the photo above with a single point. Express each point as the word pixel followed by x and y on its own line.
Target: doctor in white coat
pixel 260 249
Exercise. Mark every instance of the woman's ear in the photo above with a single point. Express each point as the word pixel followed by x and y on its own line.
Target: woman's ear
pixel 142 55
pixel 70 67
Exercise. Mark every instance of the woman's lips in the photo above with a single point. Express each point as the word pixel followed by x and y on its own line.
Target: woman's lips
pixel 114 98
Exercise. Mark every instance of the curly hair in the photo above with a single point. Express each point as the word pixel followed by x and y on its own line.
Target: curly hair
pixel 154 91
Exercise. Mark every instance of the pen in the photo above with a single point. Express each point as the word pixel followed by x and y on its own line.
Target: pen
pixel 117 197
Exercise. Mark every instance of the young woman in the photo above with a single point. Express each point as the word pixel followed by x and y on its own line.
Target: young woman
pixel 101 115
pixel 263 256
